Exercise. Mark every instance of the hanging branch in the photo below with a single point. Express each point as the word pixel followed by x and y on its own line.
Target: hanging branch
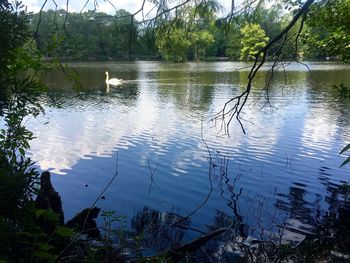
pixel 39 22
pixel 230 111
pixel 233 107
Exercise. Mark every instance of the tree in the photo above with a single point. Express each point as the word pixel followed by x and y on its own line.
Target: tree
pixel 19 98
pixel 233 107
pixel 124 33
pixel 234 46
pixel 200 40
pixel 89 35
pixel 253 40
pixel 173 42
pixel 20 93
pixel 330 34
pixel 329 22
pixel 189 32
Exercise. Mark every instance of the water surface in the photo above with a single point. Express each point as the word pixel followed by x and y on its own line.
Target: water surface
pixel 151 130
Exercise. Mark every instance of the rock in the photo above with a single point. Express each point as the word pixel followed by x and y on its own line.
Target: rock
pixel 85 222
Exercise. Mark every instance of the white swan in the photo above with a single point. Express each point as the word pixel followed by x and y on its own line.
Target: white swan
pixel 114 81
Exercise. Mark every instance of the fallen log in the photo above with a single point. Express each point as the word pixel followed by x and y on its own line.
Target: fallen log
pixel 181 251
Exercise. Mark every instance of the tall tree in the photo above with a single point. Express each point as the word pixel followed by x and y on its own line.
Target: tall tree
pixel 253 40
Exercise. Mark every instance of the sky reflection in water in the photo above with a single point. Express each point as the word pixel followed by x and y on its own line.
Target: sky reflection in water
pixel 155 120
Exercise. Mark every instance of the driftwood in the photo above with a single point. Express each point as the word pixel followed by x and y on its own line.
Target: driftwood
pixel 179 252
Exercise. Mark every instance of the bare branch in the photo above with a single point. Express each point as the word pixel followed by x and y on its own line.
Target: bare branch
pixel 229 112
pixel 40 16
pixel 152 171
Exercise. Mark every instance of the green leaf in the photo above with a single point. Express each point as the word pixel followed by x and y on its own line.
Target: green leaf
pixel 347 147
pixel 64 231
pixel 48 214
pixel 39 212
pixel 13 145
pixel 21 150
pixel 44 255
pixel 45 247
pixel 345 162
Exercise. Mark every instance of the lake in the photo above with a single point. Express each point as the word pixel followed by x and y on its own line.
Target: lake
pixel 154 131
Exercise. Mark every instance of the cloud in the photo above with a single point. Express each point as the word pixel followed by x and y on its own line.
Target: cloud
pixel 70 8
pixel 32 5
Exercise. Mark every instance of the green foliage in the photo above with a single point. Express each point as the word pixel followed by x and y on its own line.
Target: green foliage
pixel 200 40
pixel 271 20
pixel 189 34
pixel 234 45
pixel 113 226
pixel 64 231
pixel 344 189
pixel 253 39
pixel 173 42
pixel 20 92
pixel 330 32
pixel 194 33
pixel 13 30
pixel 329 35
pixel 220 32
pixel 345 149
pixel 47 214
pixel 19 99
pixel 343 91
pixel 89 35
pixel 285 248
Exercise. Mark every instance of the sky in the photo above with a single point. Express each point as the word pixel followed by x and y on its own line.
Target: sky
pixel 104 5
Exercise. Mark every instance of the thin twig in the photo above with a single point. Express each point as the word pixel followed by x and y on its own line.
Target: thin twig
pixel 229 112
pixel 152 171
pixel 87 215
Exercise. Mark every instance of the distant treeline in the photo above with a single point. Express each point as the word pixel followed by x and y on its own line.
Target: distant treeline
pixel 189 35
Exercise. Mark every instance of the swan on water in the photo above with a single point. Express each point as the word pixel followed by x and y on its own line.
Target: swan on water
pixel 113 81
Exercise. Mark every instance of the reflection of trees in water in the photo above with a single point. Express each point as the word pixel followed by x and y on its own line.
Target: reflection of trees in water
pixel 156 228
pixel 68 98
pixel 335 222
pixel 289 82
pixel 331 232
pixel 328 230
pixel 191 91
pixel 127 94
pixel 316 230
pixel 295 204
pixel 93 89
pixel 221 219
pixel 321 85
pixel 165 231
pixel 159 233
pixel 227 186
pixel 329 227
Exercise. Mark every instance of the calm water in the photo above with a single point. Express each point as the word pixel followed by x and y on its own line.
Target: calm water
pixel 285 167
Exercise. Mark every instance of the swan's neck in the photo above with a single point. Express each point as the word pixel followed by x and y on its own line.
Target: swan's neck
pixel 107 77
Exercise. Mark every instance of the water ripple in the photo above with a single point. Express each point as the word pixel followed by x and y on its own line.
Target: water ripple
pixel 288 159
